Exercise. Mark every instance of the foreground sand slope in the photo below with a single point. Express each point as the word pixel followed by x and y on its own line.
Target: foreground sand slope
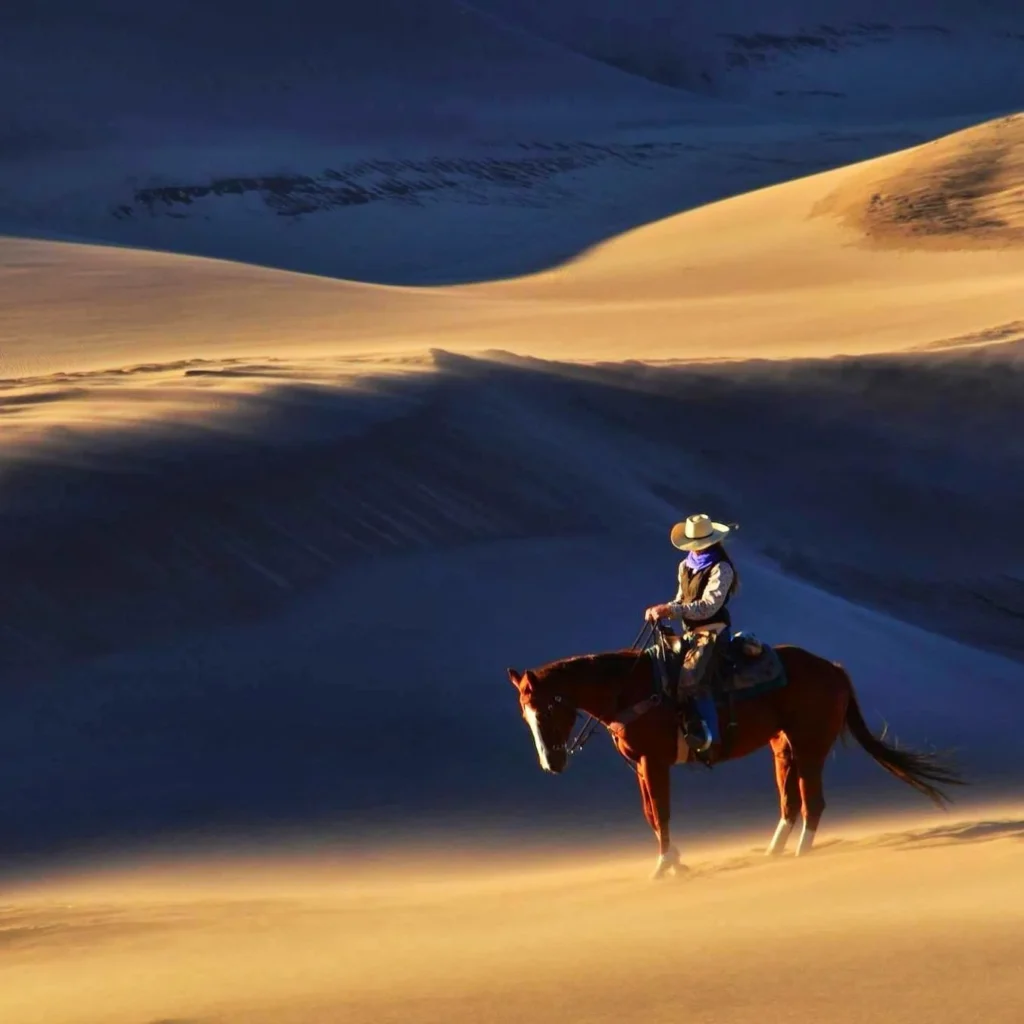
pixel 917 923
pixel 786 271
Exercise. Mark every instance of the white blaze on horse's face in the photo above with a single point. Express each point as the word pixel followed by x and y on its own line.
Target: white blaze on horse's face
pixel 550 722
pixel 530 714
pixel 550 718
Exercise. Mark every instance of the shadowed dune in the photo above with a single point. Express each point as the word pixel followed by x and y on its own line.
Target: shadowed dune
pixel 242 484
pixel 458 142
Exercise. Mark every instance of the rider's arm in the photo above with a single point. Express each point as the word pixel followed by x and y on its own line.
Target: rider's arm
pixel 716 593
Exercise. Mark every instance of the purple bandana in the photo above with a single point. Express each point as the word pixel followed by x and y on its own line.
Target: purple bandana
pixel 700 560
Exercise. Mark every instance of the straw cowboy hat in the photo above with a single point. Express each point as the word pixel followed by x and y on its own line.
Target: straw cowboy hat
pixel 699 532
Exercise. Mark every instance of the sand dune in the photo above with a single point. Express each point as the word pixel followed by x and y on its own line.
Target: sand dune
pixel 837 54
pixel 962 192
pixel 276 465
pixel 186 361
pixel 71 308
pixel 209 79
pixel 921 921
pixel 756 276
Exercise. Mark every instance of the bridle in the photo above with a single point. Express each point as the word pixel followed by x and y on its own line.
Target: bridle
pixel 579 741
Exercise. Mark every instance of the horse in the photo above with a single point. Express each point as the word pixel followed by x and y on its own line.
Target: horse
pixel 800 721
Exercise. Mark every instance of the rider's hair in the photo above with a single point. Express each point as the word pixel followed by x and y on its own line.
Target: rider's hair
pixel 726 557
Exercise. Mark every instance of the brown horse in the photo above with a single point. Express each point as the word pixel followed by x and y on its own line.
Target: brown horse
pixel 800 721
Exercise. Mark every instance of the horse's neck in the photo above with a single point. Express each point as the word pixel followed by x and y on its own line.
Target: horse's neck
pixel 607 684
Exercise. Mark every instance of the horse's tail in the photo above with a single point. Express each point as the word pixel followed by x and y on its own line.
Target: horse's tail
pixel 925 772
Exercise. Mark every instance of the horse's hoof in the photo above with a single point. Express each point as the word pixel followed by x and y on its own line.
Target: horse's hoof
pixel 668 863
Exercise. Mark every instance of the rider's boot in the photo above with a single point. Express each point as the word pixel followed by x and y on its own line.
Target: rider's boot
pixel 695 732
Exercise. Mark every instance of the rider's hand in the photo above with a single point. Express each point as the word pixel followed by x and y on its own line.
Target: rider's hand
pixel 657 612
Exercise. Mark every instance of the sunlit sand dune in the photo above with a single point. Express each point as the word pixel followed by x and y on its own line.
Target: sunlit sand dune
pixel 962 192
pixel 67 308
pixel 784 271
pixel 777 273
pixel 903 922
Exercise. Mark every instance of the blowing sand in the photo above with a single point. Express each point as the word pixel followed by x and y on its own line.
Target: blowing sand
pixel 889 924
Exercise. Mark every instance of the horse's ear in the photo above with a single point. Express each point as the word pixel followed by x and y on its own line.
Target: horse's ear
pixel 513 677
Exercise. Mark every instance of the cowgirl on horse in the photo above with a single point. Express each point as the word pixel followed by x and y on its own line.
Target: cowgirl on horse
pixel 707 580
pixel 800 720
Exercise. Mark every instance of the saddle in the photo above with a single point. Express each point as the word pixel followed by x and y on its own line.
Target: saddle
pixel 743 666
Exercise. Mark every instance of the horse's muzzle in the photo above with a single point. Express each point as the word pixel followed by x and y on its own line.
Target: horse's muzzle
pixel 557 760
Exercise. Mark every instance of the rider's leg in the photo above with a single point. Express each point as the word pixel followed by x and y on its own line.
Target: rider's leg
pixel 696 663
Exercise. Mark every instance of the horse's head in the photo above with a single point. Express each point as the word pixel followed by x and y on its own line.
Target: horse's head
pixel 550 716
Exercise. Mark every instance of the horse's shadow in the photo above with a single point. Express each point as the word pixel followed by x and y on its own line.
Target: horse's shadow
pixel 954 833
pixel 910 839
pixel 957 832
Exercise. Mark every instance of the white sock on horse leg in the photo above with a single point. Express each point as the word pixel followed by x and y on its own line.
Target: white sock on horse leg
pixel 782 834
pixel 806 840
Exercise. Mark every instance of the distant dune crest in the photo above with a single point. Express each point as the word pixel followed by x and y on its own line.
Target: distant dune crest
pixel 963 191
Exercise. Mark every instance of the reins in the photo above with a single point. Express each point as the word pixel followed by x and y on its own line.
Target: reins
pixel 579 741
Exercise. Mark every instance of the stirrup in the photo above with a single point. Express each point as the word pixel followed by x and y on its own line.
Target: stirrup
pixel 701 747
pixel 701 743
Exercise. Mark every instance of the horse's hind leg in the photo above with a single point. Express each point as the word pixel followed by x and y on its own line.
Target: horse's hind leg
pixel 809 756
pixel 814 720
pixel 789 793
pixel 809 712
pixel 812 799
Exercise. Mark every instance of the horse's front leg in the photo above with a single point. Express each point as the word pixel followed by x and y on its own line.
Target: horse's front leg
pixel 645 797
pixel 656 788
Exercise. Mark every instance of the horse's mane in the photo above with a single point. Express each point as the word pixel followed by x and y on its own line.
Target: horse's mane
pixel 602 665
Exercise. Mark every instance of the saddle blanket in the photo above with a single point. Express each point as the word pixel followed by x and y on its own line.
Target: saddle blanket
pixel 746 667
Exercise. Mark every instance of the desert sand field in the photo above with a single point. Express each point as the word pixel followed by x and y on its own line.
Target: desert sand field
pixel 911 919
pixel 898 921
